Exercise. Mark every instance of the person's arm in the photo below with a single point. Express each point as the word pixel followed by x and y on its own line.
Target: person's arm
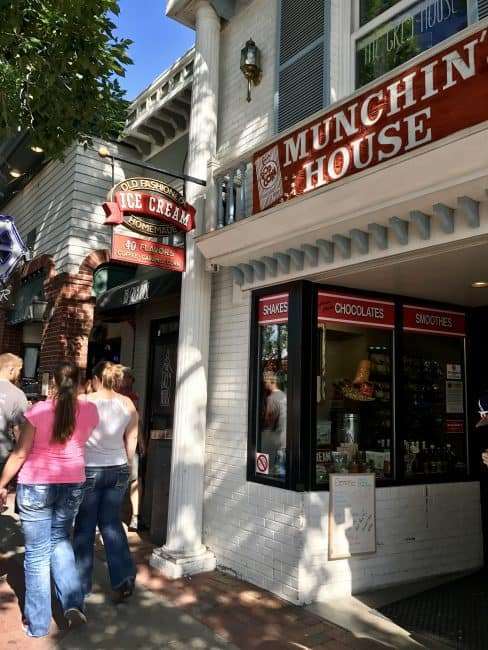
pixel 130 435
pixel 17 458
pixel 18 415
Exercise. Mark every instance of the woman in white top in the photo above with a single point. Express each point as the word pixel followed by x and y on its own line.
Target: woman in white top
pixel 108 456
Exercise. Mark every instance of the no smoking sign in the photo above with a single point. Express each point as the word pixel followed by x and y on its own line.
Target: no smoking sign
pixel 262 463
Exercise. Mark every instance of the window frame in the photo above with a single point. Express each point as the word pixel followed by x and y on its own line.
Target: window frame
pixel 360 31
pixel 303 363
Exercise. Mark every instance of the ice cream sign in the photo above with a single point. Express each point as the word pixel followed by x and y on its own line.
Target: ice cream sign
pixel 150 220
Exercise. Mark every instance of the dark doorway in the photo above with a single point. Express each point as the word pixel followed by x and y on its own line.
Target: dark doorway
pixel 159 424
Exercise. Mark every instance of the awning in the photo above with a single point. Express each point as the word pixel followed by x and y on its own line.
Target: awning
pixel 139 291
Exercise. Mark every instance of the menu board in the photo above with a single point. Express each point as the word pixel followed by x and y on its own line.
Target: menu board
pixel 352 515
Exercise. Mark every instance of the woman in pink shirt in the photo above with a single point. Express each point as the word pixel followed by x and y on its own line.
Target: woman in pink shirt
pixel 50 457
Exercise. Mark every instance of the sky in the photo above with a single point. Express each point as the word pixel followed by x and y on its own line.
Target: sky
pixel 158 41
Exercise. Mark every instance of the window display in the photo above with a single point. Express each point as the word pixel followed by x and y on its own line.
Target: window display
pixel 433 391
pixel 366 385
pixel 409 33
pixel 273 379
pixel 354 386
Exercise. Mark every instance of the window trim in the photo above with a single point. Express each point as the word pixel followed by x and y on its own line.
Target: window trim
pixel 301 394
pixel 358 31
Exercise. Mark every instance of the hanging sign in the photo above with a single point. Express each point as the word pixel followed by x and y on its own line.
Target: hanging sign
pixel 355 311
pixel 147 253
pixel 147 216
pixel 150 198
pixel 12 250
pixel 273 309
pixel 433 321
pixel 431 100
pixel 352 515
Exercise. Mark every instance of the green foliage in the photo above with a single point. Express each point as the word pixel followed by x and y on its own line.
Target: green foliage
pixel 59 63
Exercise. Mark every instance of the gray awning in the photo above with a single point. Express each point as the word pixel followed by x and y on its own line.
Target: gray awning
pixel 139 291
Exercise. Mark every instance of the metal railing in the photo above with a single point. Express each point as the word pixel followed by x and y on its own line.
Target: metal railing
pixel 234 193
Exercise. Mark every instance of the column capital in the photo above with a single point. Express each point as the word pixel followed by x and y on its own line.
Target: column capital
pixel 204 11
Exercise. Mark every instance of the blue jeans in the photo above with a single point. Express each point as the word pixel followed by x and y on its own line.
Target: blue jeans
pixel 47 513
pixel 104 493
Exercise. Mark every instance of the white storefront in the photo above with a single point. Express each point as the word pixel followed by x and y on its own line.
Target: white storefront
pixel 410 228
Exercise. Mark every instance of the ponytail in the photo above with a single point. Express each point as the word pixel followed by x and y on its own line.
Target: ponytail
pixel 66 377
pixel 109 374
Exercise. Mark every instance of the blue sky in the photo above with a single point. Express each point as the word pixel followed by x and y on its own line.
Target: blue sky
pixel 158 41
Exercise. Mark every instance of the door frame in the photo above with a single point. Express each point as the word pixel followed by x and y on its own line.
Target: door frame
pixel 149 383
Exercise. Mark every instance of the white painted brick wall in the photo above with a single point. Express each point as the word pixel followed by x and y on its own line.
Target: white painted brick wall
pixel 278 539
pixel 253 530
pixel 244 125
pixel 422 530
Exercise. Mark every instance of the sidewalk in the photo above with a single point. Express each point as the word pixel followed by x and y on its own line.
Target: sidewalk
pixel 209 612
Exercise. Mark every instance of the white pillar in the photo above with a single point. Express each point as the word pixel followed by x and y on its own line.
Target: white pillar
pixel 184 552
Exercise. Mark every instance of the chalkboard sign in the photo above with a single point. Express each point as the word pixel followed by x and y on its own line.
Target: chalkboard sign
pixel 352 515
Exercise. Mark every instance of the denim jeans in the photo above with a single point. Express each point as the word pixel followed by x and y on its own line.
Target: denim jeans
pixel 47 513
pixel 104 493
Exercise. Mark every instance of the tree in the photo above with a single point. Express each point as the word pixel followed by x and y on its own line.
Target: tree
pixel 59 63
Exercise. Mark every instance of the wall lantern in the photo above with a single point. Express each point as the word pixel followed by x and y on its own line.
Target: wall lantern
pixel 251 65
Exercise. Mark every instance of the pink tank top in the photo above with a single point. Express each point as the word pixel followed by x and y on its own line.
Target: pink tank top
pixel 52 462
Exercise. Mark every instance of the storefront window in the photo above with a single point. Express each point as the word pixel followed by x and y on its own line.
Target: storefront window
pixel 271 432
pixel 409 33
pixel 433 389
pixel 354 430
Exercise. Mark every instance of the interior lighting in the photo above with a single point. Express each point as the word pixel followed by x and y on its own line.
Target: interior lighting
pixel 37 149
pixel 479 284
pixel 15 173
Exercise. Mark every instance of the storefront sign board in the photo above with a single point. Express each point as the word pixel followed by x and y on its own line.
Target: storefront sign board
pixel 262 463
pixel 152 198
pixel 273 310
pixel 433 321
pixel 352 515
pixel 439 96
pixel 147 253
pixel 355 311
pixel 154 211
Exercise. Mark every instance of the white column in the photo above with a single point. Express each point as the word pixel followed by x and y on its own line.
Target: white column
pixel 184 552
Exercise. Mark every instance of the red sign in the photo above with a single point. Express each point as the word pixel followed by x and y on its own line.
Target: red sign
pixel 454 426
pixel 152 198
pixel 433 321
pixel 273 309
pixel 147 253
pixel 437 97
pixel 333 307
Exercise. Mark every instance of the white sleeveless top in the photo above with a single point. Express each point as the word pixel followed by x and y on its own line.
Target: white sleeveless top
pixel 105 446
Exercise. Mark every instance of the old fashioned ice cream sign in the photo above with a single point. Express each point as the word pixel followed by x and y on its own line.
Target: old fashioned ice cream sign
pixel 146 215
pixel 431 100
